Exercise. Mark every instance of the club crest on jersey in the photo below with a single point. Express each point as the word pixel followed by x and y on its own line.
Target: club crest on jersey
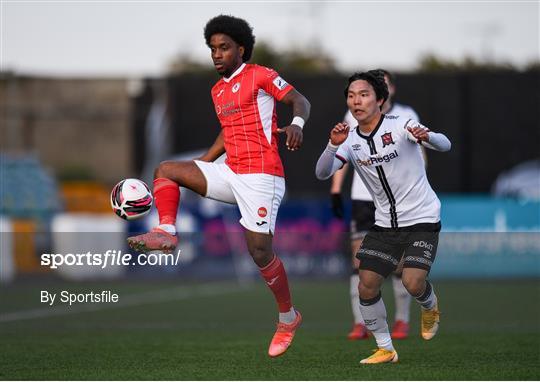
pixel 280 83
pixel 387 139
pixel 262 212
pixel 235 87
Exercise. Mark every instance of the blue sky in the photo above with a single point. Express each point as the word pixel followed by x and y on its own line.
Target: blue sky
pixel 138 38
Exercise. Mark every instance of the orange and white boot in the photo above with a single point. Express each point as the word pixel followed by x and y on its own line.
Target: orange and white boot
pixel 156 239
pixel 283 337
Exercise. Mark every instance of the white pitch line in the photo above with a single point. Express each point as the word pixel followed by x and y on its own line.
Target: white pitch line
pixel 154 297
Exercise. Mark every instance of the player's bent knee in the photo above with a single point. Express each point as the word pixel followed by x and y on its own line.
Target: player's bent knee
pixel 164 170
pixel 414 285
pixel 368 291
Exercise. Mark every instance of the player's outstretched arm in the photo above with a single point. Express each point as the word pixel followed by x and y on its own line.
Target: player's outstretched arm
pixel 429 139
pixel 301 108
pixel 215 151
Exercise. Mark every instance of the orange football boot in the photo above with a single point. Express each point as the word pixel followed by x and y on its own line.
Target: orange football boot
pixel 156 239
pixel 400 331
pixel 283 337
pixel 358 332
pixel 381 356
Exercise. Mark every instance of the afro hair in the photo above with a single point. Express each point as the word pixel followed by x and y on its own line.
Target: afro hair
pixel 237 29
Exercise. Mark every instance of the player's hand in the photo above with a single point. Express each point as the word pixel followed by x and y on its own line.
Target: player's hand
pixel 419 133
pixel 339 134
pixel 337 205
pixel 294 136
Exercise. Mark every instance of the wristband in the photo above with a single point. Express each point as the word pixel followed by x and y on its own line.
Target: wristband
pixel 298 121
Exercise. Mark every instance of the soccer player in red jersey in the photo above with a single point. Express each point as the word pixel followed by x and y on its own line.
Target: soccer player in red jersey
pixel 252 176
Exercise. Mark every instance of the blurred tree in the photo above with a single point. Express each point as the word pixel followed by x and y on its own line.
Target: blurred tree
pixel 433 63
pixel 183 63
pixel 533 66
pixel 296 60
pixel 264 54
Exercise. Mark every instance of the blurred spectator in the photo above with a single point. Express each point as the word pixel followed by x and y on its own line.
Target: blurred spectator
pixel 521 181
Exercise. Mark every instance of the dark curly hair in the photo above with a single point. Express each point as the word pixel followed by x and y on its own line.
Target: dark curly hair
pixel 237 29
pixel 376 79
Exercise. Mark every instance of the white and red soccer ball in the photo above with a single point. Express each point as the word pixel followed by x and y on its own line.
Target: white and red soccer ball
pixel 131 199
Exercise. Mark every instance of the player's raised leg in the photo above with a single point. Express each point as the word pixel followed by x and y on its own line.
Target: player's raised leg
pixel 168 177
pixel 273 272
pixel 414 279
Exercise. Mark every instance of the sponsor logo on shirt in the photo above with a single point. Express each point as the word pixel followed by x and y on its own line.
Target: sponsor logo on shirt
pixel 220 92
pixel 228 109
pixel 280 83
pixel 357 146
pixel 377 160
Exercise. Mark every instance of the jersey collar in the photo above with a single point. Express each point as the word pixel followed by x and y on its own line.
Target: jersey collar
pixel 236 72
pixel 370 136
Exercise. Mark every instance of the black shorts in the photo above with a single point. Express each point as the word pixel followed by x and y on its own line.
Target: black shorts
pixel 362 219
pixel 383 248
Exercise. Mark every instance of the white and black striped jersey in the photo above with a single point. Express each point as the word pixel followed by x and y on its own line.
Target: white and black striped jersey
pixel 389 161
pixel 358 189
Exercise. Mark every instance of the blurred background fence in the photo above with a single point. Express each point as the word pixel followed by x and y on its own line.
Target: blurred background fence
pixel 65 142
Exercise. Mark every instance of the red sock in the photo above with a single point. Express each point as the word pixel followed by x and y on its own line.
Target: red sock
pixel 167 198
pixel 276 279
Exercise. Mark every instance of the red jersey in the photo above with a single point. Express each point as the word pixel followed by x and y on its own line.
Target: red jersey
pixel 246 107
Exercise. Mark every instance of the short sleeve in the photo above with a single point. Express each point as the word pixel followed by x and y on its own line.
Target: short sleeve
pixel 272 83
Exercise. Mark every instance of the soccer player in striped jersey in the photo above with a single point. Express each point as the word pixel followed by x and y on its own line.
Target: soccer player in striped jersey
pixel 252 176
pixel 385 151
pixel 363 218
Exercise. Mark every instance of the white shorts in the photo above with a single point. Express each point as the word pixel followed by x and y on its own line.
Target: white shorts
pixel 258 196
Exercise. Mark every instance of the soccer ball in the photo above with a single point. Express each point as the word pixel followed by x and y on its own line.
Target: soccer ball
pixel 131 199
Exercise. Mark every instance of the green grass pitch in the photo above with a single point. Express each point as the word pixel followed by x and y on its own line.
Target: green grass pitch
pixel 490 330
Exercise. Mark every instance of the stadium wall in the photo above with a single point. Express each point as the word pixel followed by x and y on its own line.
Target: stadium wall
pixel 490 117
pixel 79 128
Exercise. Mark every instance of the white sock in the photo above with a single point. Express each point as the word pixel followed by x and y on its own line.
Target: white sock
pixel 169 228
pixel 374 314
pixel 402 298
pixel 355 300
pixel 428 299
pixel 287 317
